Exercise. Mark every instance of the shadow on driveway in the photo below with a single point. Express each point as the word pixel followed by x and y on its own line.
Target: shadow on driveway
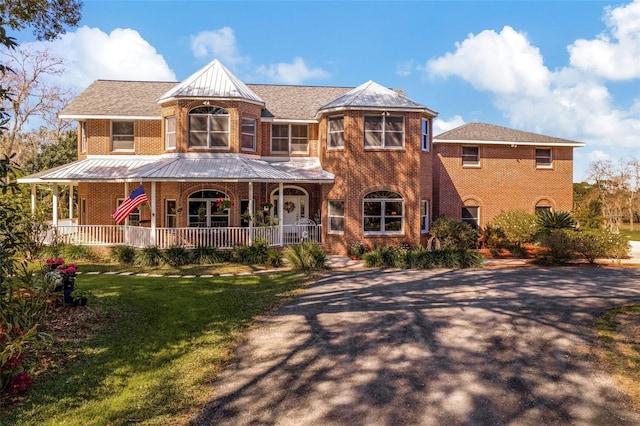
pixel 454 347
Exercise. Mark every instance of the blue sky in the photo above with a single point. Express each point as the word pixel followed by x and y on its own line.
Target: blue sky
pixel 569 69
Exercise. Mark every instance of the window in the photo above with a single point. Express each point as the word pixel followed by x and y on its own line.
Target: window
pixel 336 216
pixel 83 136
pixel 170 213
pixel 383 131
pixel 170 133
pixel 424 217
pixel 471 215
pixel 245 213
pixel 292 138
pixel 203 211
pixel 335 132
pixel 470 156
pixel 542 209
pixel 122 136
pixel 425 135
pixel 248 141
pixel 134 218
pixel 543 158
pixel 383 213
pixel 209 128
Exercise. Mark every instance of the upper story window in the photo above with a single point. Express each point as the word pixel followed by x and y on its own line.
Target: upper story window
pixel 290 138
pixel 248 141
pixel 335 132
pixel 470 155
pixel 383 131
pixel 426 143
pixel 209 127
pixel 543 158
pixel 383 213
pixel 170 133
pixel 83 136
pixel 122 136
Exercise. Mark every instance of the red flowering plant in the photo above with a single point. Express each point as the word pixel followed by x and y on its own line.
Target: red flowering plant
pixel 223 203
pixel 58 274
pixel 14 377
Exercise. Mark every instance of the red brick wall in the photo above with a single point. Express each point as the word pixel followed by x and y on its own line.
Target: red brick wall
pixel 507 179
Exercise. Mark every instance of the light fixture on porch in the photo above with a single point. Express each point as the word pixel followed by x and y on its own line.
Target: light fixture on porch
pixel 206 103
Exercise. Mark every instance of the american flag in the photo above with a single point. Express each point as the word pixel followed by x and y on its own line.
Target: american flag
pixel 136 198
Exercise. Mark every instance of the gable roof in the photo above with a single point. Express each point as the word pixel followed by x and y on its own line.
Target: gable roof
pixel 213 80
pixel 491 134
pixel 371 95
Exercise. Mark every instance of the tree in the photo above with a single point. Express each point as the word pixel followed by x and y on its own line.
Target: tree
pixel 51 155
pixel 33 97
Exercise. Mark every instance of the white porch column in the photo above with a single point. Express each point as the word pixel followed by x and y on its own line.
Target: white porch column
pixel 71 201
pixel 153 213
pixel 251 213
pixel 281 211
pixel 55 204
pixel 33 199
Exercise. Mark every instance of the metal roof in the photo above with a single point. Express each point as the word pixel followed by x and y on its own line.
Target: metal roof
pixel 212 81
pixel 491 134
pixel 373 95
pixel 186 167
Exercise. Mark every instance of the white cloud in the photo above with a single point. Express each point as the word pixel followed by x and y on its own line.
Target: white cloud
pixel 441 126
pixel 504 63
pixel 220 44
pixel 572 102
pixel 614 54
pixel 92 54
pixel 291 73
pixel 404 69
pixel 598 155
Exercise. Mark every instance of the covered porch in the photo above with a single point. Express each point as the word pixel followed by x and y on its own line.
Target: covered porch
pixel 276 200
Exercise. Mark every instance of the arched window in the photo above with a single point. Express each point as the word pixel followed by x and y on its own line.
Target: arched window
pixel 209 127
pixel 204 211
pixel 383 213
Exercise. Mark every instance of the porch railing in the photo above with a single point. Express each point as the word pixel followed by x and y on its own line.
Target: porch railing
pixel 229 237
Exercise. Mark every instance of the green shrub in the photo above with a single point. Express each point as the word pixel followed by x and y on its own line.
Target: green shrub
pixel 274 258
pixel 548 219
pixel 517 226
pixel 150 256
pixel 421 258
pixel 255 254
pixel 595 244
pixel 206 255
pixel 177 256
pixel 78 252
pixel 306 257
pixel 559 245
pixel 372 259
pixel 124 255
pixel 454 233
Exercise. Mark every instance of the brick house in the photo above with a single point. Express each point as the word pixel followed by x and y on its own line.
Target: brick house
pixel 331 164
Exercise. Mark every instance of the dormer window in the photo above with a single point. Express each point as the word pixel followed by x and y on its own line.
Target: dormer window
pixel 209 127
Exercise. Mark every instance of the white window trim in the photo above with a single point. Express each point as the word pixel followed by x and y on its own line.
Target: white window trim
pixel 383 201
pixel 477 219
pixel 424 218
pixel 83 137
pixel 426 132
pixel 253 135
pixel 384 131
pixel 290 139
pixel 329 133
pixel 544 166
pixel 329 216
pixel 477 163
pixel 209 131
pixel 133 142
pixel 167 133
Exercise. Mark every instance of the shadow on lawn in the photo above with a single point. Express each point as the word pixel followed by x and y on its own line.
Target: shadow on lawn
pixel 484 346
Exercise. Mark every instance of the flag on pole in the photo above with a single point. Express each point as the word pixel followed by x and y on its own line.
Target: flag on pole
pixel 136 198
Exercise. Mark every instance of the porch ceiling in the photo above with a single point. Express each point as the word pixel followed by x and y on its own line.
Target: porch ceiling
pixel 186 167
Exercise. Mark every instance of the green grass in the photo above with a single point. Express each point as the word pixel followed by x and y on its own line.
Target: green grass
pixel 155 362
pixel 632 235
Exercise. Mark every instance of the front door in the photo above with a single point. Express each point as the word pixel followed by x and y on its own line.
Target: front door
pixel 294 205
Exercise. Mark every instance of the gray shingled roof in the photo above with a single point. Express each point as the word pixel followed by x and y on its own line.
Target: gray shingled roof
pixel 490 133
pixel 110 98
pixel 212 81
pixel 186 167
pixel 373 95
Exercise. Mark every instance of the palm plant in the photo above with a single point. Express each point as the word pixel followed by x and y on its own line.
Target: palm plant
pixel 548 219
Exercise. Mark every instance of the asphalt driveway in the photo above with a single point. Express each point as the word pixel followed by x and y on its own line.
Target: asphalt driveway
pixel 474 347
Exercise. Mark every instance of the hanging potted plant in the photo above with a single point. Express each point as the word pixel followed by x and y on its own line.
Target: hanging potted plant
pixel 266 206
pixel 223 204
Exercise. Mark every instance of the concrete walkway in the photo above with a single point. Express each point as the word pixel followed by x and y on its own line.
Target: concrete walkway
pixel 487 346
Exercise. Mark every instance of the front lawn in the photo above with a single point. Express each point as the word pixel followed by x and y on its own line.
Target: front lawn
pixel 631 235
pixel 161 343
